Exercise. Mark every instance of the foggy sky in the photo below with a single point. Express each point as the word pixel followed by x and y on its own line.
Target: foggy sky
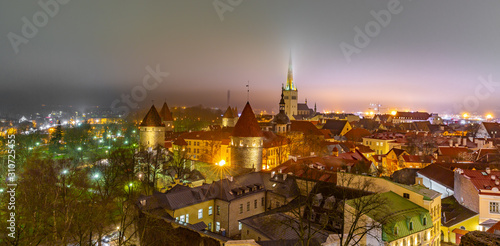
pixel 428 57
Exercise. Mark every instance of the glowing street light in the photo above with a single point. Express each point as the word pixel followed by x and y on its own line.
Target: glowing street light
pixel 465 115
pixel 489 116
pixel 96 176
pixel 394 112
pixel 65 171
pixel 221 163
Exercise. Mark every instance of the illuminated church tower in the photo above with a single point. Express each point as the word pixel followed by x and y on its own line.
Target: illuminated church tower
pixel 247 141
pixel 290 93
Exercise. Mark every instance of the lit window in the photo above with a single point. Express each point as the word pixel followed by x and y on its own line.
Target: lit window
pixel 209 227
pixel 240 226
pixel 183 218
pixel 200 213
pixel 187 218
pixel 494 207
pixel 217 226
pixel 210 210
pixel 218 210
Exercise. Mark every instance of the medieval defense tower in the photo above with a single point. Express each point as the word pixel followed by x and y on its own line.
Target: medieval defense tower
pixel 152 130
pixel 247 141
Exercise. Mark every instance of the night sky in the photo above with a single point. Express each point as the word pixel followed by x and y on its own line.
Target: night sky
pixel 429 56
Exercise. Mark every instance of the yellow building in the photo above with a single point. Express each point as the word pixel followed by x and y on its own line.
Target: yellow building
pixel 456 220
pixel 379 145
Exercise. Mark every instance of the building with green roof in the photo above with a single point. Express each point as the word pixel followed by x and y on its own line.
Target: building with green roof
pixel 401 222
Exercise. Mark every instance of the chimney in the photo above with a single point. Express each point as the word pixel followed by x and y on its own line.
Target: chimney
pixel 497 181
pixel 493 177
pixel 272 174
pixel 457 144
pixel 451 142
pixel 284 177
pixel 464 142
pixel 488 170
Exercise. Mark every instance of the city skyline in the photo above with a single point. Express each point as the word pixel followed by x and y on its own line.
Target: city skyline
pixel 423 56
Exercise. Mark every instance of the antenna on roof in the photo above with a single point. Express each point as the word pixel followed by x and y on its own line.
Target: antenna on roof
pixel 248 91
pixel 228 97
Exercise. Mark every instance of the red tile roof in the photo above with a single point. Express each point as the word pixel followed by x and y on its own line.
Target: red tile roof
pixel 152 118
pixel 452 151
pixel 228 113
pixel 439 174
pixel 165 113
pixel 357 134
pixel 247 125
pixel 412 115
pixel 482 181
pixel 180 142
pixel 305 127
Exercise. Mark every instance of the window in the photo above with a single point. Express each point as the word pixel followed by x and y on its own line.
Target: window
pixel 187 218
pixel 183 218
pixel 241 208
pixel 209 227
pixel 200 213
pixel 248 232
pixel 217 226
pixel 239 226
pixel 210 210
pixel 411 225
pixel 462 227
pixel 395 230
pixel 425 221
pixel 406 195
pixel 494 207
pixel 176 218
pixel 258 238
pixel 262 202
pixel 248 206
pixel 255 203
pixel 218 210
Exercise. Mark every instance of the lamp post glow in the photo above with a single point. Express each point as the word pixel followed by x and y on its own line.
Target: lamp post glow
pixel 489 116
pixel 394 112
pixel 465 115
pixel 221 163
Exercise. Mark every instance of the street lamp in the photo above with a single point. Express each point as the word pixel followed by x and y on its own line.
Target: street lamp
pixel 221 163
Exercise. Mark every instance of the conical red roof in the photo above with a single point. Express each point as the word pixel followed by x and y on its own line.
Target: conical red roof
pixel 228 113
pixel 152 118
pixel 247 125
pixel 165 113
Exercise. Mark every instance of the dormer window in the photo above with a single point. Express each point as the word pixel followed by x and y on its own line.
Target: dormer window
pixel 424 222
pixel 411 226
pixel 395 230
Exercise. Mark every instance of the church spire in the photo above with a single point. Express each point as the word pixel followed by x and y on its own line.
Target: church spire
pixel 289 80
